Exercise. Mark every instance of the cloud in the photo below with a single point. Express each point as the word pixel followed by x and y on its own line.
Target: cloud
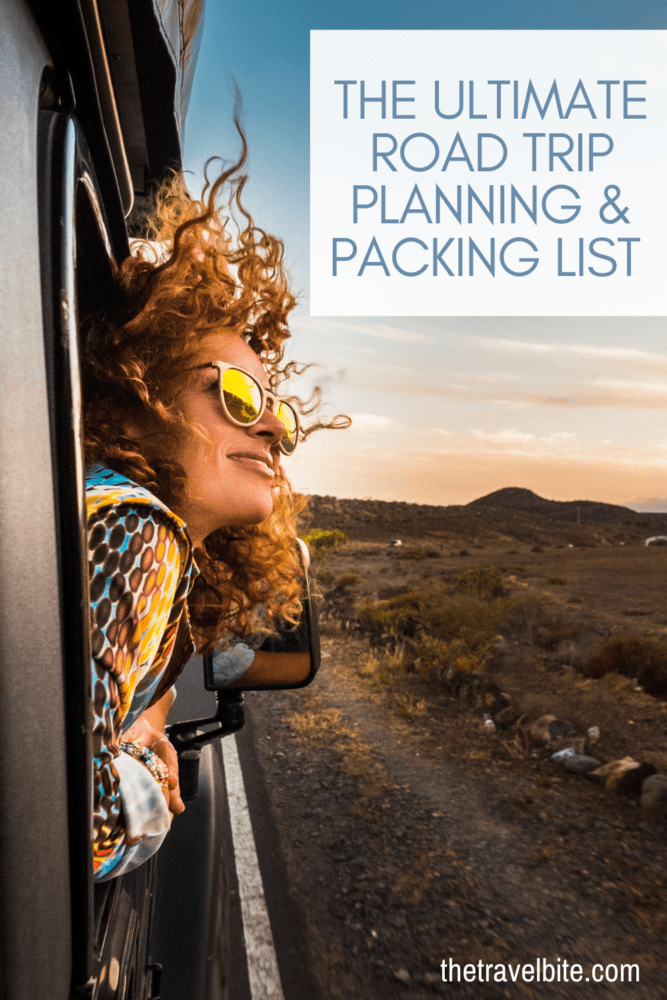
pixel 509 435
pixel 581 350
pixel 381 330
pixel 632 386
pixel 561 437
pixel 591 393
pixel 371 422
pixel 462 474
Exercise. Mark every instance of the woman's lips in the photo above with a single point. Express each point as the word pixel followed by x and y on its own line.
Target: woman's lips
pixel 255 463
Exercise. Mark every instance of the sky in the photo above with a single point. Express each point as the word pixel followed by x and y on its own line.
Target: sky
pixel 444 409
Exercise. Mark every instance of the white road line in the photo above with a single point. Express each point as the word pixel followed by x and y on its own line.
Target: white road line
pixel 262 963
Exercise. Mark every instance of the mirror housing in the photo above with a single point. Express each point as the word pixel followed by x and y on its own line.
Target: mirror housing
pixel 189 737
pixel 304 637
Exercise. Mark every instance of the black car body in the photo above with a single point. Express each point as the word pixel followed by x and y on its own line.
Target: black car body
pixel 93 96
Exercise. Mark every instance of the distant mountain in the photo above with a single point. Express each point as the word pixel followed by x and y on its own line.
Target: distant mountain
pixel 506 515
pixel 517 498
pixel 654 505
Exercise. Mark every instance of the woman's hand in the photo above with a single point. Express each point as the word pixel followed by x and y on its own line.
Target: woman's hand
pixel 148 731
pixel 163 749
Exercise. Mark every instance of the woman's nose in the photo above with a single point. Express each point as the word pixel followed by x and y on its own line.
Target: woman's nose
pixel 268 426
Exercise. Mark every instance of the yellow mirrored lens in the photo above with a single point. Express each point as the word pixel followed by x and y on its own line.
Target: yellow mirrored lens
pixel 287 417
pixel 242 395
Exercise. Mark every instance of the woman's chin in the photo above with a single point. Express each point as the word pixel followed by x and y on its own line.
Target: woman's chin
pixel 256 510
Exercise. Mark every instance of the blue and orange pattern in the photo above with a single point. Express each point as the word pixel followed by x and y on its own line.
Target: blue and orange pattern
pixel 141 571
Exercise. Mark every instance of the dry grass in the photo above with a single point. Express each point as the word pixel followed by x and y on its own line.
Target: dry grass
pixel 408 707
pixel 322 539
pixel 641 657
pixel 315 726
pixel 550 630
pixel 483 582
pixel 381 667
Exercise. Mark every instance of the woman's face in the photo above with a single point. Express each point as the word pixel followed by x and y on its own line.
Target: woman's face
pixel 230 473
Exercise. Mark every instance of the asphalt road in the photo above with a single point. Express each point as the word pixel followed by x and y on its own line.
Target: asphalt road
pixel 253 975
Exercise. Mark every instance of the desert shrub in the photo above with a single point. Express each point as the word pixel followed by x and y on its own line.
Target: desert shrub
pixel 434 611
pixel 382 667
pixel 408 708
pixel 325 577
pixel 535 621
pixel 554 632
pixel 641 657
pixel 556 581
pixel 523 615
pixel 433 554
pixel 412 554
pixel 462 617
pixel 484 582
pixel 321 539
pixel 346 580
pixel 384 593
pixel 395 614
pixel 438 655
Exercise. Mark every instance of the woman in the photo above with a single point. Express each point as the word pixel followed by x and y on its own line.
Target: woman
pixel 191 519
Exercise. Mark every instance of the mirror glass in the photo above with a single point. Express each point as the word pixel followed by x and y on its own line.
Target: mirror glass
pixel 290 658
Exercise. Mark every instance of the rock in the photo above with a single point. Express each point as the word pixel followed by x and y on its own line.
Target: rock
pixel 447 677
pixel 561 755
pixel 402 975
pixel 654 795
pixel 491 698
pixel 561 729
pixel 592 735
pixel 614 769
pixel 631 782
pixel 556 734
pixel 500 645
pixel 506 717
pixel 539 731
pixel 580 764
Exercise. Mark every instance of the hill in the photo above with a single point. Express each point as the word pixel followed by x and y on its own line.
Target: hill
pixel 578 511
pixel 511 514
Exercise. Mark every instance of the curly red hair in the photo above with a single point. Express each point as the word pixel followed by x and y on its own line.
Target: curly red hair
pixel 202 266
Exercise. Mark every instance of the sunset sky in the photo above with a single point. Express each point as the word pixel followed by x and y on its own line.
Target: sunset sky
pixel 444 409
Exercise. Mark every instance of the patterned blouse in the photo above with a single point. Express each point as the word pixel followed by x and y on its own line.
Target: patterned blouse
pixel 141 572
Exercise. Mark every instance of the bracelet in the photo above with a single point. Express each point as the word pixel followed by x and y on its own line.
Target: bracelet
pixel 157 767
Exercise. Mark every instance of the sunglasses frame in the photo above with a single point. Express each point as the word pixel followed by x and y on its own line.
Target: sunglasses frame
pixel 265 395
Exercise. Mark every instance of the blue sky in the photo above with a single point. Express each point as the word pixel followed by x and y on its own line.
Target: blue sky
pixel 447 409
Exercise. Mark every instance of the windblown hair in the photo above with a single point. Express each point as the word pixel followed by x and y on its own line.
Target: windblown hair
pixel 202 266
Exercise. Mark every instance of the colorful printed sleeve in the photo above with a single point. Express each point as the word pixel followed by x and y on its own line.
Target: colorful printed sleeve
pixel 136 592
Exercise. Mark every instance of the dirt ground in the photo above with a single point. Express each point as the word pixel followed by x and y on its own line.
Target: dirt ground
pixel 418 837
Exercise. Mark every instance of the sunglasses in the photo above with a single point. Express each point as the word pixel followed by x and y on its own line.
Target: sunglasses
pixel 244 400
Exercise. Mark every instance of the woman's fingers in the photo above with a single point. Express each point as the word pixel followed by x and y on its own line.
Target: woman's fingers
pixel 166 752
pixel 176 802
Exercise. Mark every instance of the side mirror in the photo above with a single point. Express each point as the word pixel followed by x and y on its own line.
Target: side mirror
pixel 292 653
pixel 298 646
